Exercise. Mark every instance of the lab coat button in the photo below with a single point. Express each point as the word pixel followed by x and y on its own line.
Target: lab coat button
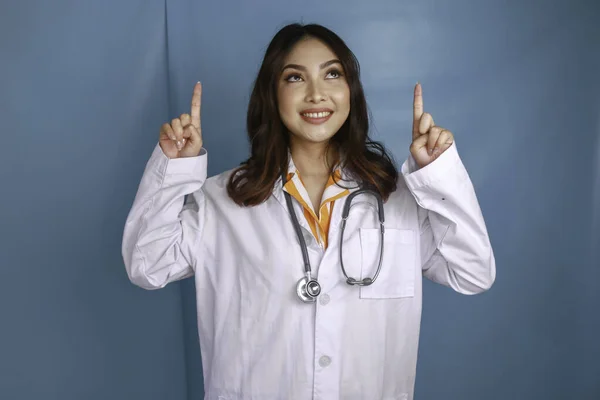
pixel 324 299
pixel 324 361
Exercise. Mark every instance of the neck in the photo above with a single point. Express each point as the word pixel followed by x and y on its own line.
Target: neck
pixel 312 159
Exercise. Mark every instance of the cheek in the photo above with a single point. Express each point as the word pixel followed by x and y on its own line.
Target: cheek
pixel 342 99
pixel 286 103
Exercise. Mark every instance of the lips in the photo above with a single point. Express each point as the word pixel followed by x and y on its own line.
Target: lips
pixel 316 116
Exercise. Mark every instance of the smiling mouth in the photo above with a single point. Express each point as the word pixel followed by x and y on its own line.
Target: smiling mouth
pixel 316 118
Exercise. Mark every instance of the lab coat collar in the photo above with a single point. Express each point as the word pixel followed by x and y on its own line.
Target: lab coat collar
pixel 346 181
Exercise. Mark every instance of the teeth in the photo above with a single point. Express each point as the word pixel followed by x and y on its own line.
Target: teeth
pixel 317 115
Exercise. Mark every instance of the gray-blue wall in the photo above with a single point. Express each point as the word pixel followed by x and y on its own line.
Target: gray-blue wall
pixel 83 91
pixel 85 86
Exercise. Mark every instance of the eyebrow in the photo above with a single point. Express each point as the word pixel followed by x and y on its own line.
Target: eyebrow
pixel 303 68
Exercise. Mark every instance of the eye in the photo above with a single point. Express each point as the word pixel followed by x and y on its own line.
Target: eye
pixel 335 72
pixel 293 78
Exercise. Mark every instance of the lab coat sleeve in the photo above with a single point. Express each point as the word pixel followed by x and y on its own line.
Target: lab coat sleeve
pixel 162 229
pixel 455 246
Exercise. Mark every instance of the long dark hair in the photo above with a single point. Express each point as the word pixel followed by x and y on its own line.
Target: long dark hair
pixel 366 161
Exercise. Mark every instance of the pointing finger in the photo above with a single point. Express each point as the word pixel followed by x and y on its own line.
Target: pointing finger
pixel 196 100
pixel 417 108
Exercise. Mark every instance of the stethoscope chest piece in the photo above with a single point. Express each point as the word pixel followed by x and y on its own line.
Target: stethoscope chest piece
pixel 308 290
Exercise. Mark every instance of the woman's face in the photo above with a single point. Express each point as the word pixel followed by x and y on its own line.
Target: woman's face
pixel 312 94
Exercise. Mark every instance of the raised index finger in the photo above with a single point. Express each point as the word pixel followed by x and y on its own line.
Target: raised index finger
pixel 196 100
pixel 417 108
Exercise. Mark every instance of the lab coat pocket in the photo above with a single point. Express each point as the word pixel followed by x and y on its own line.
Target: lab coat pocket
pixel 397 276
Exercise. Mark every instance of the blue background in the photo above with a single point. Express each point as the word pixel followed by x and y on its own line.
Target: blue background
pixel 85 86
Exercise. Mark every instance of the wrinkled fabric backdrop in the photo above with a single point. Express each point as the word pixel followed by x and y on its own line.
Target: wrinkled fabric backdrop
pixel 85 87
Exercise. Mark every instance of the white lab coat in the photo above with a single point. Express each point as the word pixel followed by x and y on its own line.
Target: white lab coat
pixel 258 340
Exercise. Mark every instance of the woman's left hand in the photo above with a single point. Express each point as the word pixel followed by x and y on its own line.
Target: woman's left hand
pixel 428 140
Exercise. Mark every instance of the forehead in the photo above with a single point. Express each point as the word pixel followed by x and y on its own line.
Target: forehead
pixel 309 51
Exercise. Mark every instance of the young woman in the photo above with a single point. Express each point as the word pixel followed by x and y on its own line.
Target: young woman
pixel 299 295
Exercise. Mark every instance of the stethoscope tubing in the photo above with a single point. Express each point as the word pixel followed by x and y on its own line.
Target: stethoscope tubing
pixel 308 288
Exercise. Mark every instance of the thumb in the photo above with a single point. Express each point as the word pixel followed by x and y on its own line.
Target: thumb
pixel 192 142
pixel 191 134
pixel 419 142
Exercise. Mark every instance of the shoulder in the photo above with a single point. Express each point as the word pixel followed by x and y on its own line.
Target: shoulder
pixel 402 196
pixel 217 184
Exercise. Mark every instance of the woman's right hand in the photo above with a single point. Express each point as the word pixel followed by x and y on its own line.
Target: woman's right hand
pixel 183 136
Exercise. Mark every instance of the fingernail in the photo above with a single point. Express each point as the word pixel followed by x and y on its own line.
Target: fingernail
pixel 429 151
pixel 178 144
pixel 436 150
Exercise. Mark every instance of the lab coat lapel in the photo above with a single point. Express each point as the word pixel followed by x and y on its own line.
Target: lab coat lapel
pixel 279 195
pixel 346 181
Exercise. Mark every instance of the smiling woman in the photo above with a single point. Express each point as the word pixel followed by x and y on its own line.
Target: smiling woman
pixel 314 103
pixel 308 99
pixel 314 94
pixel 298 297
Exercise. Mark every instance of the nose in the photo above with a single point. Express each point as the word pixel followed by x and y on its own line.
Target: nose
pixel 315 93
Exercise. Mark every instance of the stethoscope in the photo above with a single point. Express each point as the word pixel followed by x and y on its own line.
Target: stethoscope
pixel 308 288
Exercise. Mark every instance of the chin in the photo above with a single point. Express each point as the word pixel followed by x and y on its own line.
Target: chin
pixel 314 137
pixel 315 134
